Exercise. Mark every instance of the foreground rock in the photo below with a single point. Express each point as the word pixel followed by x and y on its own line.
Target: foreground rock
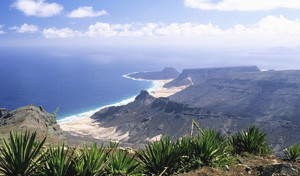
pixel 266 166
pixel 34 119
pixel 3 112
pixel 281 169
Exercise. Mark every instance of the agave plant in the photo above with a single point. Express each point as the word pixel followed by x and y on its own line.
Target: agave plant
pixel 292 153
pixel 92 161
pixel 253 141
pixel 113 144
pixel 21 155
pixel 186 143
pixel 121 164
pixel 160 157
pixel 59 161
pixel 188 161
pixel 209 147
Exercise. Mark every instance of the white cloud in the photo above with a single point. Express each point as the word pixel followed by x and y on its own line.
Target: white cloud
pixel 83 12
pixel 268 29
pixel 25 28
pixel 242 5
pixel 1 31
pixel 101 30
pixel 121 30
pixel 38 8
pixel 61 33
pixel 188 29
pixel 267 26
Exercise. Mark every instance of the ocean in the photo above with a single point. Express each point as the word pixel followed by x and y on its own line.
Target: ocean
pixel 80 81
pixel 75 82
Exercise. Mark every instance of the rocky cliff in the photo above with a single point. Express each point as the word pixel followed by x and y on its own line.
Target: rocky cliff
pixel 147 118
pixel 264 96
pixel 166 73
pixel 199 75
pixel 34 119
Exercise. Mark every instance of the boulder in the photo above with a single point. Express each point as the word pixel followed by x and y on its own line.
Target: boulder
pixel 282 169
pixel 3 112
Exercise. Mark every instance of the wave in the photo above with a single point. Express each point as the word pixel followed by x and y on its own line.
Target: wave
pixel 157 85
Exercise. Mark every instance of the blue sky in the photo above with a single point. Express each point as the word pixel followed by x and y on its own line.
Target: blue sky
pixel 230 23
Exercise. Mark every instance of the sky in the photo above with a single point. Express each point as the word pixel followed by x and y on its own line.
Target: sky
pixel 212 23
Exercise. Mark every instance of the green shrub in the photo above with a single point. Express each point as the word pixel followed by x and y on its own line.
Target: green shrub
pixel 188 159
pixel 92 161
pixel 292 153
pixel 121 164
pixel 160 157
pixel 210 148
pixel 112 144
pixel 252 141
pixel 21 156
pixel 59 162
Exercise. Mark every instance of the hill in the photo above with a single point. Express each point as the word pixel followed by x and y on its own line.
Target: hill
pixel 34 119
pixel 148 118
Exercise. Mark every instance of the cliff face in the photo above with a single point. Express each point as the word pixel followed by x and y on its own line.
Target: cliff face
pixel 197 76
pixel 264 96
pixel 166 73
pixel 34 119
pixel 148 118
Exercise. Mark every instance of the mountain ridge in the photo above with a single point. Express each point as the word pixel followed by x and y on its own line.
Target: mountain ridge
pixel 259 95
pixel 199 75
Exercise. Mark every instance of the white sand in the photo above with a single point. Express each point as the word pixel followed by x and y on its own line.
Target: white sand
pixel 88 126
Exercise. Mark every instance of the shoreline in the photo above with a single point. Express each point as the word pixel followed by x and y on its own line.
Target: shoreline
pixel 87 125
pixel 154 91
pixel 161 92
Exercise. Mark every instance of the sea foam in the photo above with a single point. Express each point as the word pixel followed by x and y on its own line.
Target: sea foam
pixel 157 85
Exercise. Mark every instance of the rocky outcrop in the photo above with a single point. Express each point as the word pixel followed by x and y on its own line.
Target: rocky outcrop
pixel 199 75
pixel 166 73
pixel 280 169
pixel 33 119
pixel 3 112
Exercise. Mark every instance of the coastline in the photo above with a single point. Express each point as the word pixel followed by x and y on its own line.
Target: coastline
pixel 87 126
pixel 154 90
pixel 161 91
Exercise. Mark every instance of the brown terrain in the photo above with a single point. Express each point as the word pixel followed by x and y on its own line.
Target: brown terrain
pixel 33 119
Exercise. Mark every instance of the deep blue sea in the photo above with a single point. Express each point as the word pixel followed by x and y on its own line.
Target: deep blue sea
pixel 79 81
pixel 76 84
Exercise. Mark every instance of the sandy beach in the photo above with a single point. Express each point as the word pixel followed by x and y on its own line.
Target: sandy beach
pixel 165 92
pixel 88 126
